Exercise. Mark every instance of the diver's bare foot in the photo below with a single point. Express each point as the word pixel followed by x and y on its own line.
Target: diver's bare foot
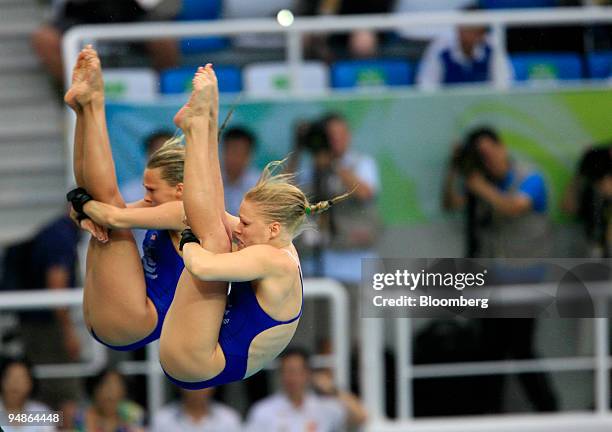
pixel 199 102
pixel 77 78
pixel 87 84
pixel 214 109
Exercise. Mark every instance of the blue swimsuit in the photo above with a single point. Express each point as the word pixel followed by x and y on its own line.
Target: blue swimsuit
pixel 162 268
pixel 244 319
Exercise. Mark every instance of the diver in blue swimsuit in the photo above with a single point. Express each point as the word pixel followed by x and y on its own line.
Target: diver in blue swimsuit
pixel 231 336
pixel 243 320
pixel 125 300
pixel 162 268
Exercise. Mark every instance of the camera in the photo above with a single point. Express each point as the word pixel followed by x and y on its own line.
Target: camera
pixel 312 136
pixel 469 159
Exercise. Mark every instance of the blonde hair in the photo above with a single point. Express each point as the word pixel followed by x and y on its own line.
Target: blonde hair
pixel 279 200
pixel 170 157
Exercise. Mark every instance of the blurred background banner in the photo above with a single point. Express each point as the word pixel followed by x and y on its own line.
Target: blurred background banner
pixel 408 134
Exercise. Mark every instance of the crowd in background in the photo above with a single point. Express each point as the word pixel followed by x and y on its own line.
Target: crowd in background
pixel 306 400
pixel 444 55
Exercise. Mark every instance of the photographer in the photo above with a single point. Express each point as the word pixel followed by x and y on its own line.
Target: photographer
pixel 350 231
pixel 589 198
pixel 505 204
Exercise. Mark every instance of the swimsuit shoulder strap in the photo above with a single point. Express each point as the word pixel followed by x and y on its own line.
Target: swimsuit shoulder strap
pixel 293 257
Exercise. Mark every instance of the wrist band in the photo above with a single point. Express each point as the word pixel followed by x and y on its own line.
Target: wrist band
pixel 78 197
pixel 80 217
pixel 187 236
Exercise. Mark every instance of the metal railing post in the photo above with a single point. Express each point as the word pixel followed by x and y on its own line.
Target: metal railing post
pixel 155 384
pixel 294 59
pixel 403 367
pixel 372 365
pixel 501 78
pixel 602 357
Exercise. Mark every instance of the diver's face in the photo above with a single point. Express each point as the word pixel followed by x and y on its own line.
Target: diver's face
pixel 252 228
pixel 159 191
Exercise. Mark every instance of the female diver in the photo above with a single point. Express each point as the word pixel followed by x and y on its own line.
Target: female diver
pixel 210 337
pixel 125 300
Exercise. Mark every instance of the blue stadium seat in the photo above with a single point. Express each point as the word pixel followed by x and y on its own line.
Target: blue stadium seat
pixel 371 73
pixel 173 81
pixel 600 64
pixel 545 66
pixel 514 4
pixel 198 10
pixel 193 10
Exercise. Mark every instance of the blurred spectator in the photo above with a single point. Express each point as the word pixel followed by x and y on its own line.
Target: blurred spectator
pixel 589 198
pixel 46 40
pixel 297 408
pixel 238 174
pixel 17 385
pixel 349 231
pixel 506 205
pixel 468 56
pixel 48 261
pixel 196 412
pixel 109 411
pixel 359 43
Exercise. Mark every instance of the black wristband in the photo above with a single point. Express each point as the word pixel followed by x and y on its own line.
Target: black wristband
pixel 78 197
pixel 187 236
pixel 81 216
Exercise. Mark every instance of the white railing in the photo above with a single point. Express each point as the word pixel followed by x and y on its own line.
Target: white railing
pixel 498 20
pixel 326 289
pixel 373 331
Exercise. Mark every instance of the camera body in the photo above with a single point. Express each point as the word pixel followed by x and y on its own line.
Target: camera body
pixel 312 136
pixel 469 160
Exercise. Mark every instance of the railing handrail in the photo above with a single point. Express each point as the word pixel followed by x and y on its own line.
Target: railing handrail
pixel 229 27
pixel 506 294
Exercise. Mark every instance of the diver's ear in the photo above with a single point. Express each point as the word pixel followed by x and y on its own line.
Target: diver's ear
pixel 179 190
pixel 275 230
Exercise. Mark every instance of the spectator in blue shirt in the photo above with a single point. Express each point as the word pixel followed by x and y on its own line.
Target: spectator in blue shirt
pixel 468 56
